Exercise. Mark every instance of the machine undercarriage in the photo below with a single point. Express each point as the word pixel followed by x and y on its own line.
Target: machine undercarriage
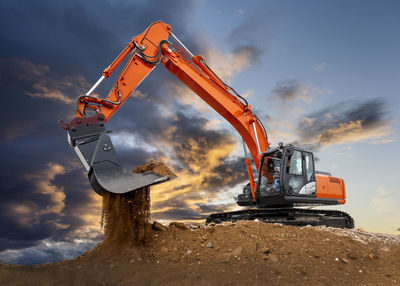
pixel 287 216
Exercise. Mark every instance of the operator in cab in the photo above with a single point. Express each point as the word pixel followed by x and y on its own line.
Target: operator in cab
pixel 270 177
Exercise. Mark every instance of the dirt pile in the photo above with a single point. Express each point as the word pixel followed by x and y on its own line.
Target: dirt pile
pixel 125 217
pixel 244 253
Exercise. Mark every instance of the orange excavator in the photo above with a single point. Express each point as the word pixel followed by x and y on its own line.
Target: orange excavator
pixel 286 175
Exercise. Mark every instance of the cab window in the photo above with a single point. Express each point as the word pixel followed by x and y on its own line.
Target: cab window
pixel 309 165
pixel 295 163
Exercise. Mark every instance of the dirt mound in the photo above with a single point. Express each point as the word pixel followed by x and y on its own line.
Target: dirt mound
pixel 244 253
pixel 125 216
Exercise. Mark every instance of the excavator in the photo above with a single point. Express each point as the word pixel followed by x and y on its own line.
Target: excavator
pixel 286 177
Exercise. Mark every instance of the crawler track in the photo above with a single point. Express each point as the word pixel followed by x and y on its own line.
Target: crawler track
pixel 288 216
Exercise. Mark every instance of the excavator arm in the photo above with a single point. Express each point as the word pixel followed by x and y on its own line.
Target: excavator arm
pixel 147 50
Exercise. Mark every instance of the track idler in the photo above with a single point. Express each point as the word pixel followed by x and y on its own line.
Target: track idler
pixel 90 140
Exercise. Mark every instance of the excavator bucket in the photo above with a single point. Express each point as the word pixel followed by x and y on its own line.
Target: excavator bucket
pixel 96 152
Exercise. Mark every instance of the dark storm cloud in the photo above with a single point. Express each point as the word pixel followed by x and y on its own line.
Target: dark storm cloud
pixel 291 90
pixel 130 157
pixel 35 95
pixel 228 173
pixel 86 32
pixel 187 135
pixel 185 205
pixel 34 152
pixel 346 122
pixel 46 203
pixel 193 141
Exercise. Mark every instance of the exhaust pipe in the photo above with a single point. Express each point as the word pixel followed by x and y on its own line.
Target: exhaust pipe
pixel 90 140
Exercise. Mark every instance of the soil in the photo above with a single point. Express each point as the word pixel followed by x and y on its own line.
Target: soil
pixel 244 253
pixel 157 167
pixel 136 252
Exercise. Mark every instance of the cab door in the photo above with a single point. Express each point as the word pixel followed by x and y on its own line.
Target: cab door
pixel 298 173
pixel 309 187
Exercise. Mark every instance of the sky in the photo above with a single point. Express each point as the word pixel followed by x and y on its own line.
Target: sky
pixel 325 75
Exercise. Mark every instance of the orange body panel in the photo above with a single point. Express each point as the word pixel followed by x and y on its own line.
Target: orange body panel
pixel 330 188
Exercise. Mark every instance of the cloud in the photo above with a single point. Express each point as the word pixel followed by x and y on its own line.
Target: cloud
pixel 383 141
pixel 202 158
pixel 53 203
pixel 37 95
pixel 383 202
pixel 41 80
pixel 45 92
pixel 253 30
pixel 319 67
pixel 250 38
pixel 293 90
pixel 346 122
pixel 48 251
pixel 251 53
pixel 227 65
pixel 28 213
pixel 139 94
pixel 42 181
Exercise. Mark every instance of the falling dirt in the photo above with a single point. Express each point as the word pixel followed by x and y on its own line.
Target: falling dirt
pixel 125 217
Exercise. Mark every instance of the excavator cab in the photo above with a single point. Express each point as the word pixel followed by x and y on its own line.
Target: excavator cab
pixel 287 177
pixel 292 182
